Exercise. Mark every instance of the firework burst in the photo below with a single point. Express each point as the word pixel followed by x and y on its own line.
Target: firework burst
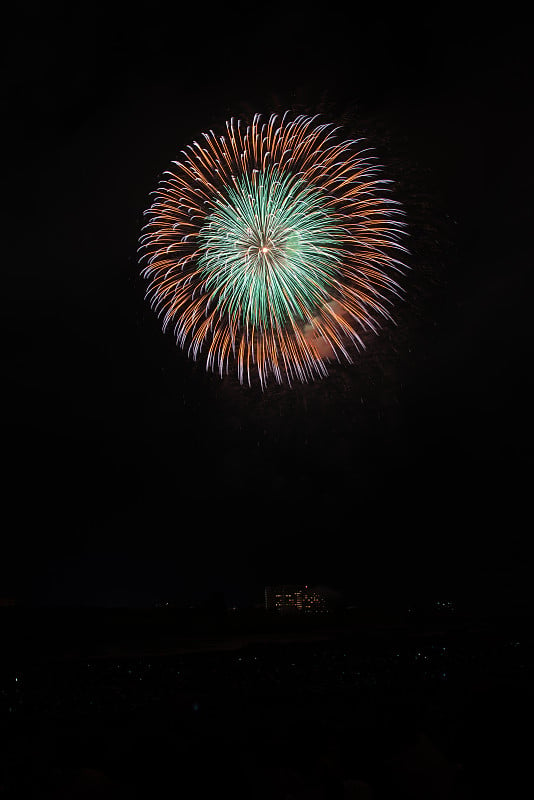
pixel 272 249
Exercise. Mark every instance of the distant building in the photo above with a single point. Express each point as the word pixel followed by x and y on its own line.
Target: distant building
pixel 302 599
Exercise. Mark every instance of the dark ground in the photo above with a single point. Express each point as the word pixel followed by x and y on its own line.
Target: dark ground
pixel 130 703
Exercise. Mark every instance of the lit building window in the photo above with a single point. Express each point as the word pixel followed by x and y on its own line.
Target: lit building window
pixel 294 598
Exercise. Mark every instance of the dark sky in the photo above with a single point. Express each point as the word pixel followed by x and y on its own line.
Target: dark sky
pixel 131 474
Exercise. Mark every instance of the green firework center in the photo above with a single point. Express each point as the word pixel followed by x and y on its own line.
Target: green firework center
pixel 269 251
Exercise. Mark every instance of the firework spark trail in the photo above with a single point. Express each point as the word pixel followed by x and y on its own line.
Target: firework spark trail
pixel 273 246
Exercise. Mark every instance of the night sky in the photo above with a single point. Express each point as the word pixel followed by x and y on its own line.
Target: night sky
pixel 131 474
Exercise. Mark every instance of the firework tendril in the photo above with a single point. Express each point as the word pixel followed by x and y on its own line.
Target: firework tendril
pixel 272 249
